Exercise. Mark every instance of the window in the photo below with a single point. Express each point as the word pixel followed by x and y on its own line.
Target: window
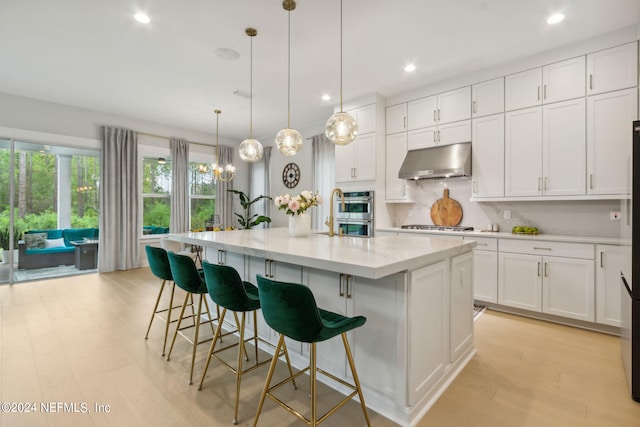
pixel 156 195
pixel 202 191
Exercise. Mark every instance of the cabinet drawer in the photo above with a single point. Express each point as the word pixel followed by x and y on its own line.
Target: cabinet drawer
pixel 539 247
pixel 484 243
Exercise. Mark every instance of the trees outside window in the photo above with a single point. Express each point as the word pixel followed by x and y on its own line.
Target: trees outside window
pixel 156 192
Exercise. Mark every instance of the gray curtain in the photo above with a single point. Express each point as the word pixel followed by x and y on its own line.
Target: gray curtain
pixel 120 225
pixel 180 218
pixel 323 175
pixel 224 199
pixel 260 185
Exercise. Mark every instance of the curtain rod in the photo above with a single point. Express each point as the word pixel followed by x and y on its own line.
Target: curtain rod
pixel 169 139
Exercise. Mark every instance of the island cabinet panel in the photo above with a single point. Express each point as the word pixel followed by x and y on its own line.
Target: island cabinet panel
pixel 428 326
pixel 379 370
pixel 461 297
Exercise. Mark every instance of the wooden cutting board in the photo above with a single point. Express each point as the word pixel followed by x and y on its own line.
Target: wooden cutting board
pixel 446 211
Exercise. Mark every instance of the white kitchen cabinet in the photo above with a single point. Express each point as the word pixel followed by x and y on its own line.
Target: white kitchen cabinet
pixel 357 161
pixel 609 118
pixel 366 118
pixel 422 138
pixel 563 80
pixel 447 107
pixel 396 118
pixel 610 261
pixel 396 151
pixel 487 98
pixel 523 90
pixel 485 269
pixel 612 69
pixel 564 148
pixel 444 134
pixel 488 156
pixel 461 302
pixel 548 277
pixel 523 152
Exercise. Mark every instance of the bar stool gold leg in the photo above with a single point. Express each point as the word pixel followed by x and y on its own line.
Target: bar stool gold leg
pixel 272 368
pixel 312 379
pixel 166 327
pixel 195 339
pixel 175 334
pixel 356 380
pixel 155 309
pixel 216 335
pixel 239 368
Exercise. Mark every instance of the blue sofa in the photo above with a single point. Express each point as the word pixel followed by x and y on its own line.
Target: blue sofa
pixel 51 248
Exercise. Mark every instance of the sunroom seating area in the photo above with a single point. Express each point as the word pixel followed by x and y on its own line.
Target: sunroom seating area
pixel 51 248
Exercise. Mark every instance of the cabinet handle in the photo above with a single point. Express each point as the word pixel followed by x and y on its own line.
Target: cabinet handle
pixel 601 259
pixel 221 255
pixel 545 270
pixel 474 108
pixel 539 183
pixel 438 136
pixel 538 268
pixel 546 182
pixel 590 181
pixel 481 244
pixel 590 81
pixel 544 91
pixel 541 249
pixel 405 122
pixel 340 291
pixel 349 285
pixel 438 114
pixel 538 93
pixel 434 116
pixel 434 136
pixel 473 186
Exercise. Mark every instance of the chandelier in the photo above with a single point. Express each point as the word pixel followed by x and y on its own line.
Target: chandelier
pixel 251 149
pixel 224 174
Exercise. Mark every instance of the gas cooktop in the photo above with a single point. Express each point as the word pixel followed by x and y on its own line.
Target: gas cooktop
pixel 437 227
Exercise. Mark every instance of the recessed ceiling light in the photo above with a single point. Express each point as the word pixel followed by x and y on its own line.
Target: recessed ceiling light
pixel 410 68
pixel 326 97
pixel 555 18
pixel 227 54
pixel 142 18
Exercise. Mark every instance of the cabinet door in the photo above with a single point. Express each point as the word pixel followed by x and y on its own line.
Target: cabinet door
pixel 523 152
pixel 366 119
pixel 422 138
pixel 563 80
pixel 422 112
pixel 364 160
pixel 452 133
pixel 523 89
pixel 344 162
pixel 520 281
pixel 454 105
pixel 488 156
pixel 396 118
pixel 487 97
pixel 485 276
pixel 564 148
pixel 396 151
pixel 609 118
pixel 612 69
pixel 611 260
pixel 461 297
pixel 568 288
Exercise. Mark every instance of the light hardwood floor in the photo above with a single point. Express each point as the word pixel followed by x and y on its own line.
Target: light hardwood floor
pixel 81 340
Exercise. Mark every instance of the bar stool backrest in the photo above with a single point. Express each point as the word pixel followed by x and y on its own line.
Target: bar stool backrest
pixel 185 274
pixel 290 309
pixel 225 286
pixel 159 263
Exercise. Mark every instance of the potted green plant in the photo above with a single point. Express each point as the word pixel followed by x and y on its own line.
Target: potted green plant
pixel 246 221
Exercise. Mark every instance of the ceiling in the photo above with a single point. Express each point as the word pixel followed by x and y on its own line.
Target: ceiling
pixel 93 54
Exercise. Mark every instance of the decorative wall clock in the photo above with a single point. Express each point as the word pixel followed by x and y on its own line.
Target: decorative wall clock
pixel 291 175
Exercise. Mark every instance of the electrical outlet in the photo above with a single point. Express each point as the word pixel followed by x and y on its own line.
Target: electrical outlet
pixel 614 216
pixel 507 214
pixel 410 212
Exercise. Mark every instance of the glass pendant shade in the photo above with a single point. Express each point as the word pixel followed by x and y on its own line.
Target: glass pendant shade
pixel 288 141
pixel 250 150
pixel 341 128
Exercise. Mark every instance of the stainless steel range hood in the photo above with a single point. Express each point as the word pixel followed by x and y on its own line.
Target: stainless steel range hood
pixel 444 161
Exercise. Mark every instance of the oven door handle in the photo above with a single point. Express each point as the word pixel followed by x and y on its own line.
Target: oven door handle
pixel 626 285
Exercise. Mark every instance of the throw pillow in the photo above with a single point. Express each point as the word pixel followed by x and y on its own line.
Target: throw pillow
pixel 35 240
pixel 54 243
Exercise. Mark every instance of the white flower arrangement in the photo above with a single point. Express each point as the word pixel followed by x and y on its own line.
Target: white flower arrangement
pixel 296 205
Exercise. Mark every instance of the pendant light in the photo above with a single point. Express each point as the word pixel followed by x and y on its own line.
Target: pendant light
pixel 289 141
pixel 341 128
pixel 219 173
pixel 250 149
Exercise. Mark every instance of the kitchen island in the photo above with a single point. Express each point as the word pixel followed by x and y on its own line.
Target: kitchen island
pixel 416 293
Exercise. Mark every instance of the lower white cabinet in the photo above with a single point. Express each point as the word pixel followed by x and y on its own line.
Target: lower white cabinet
pixel 485 269
pixel 561 283
pixel 610 261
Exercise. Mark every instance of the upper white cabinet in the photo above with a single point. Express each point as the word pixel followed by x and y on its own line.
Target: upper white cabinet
pixel 523 152
pixel 612 69
pixel 366 118
pixel 488 156
pixel 552 83
pixel 422 112
pixel 396 150
pixel 609 117
pixel 487 97
pixel 447 107
pixel 357 161
pixel 396 118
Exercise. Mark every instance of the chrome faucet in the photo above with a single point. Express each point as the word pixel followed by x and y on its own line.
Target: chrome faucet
pixel 329 222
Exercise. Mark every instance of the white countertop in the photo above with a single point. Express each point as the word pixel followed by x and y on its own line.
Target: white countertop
pixel 508 235
pixel 372 258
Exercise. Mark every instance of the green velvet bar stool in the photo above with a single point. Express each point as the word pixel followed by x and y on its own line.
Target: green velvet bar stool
pixel 159 264
pixel 186 276
pixel 230 292
pixel 291 310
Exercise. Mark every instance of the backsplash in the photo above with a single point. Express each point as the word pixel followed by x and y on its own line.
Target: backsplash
pixel 581 217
